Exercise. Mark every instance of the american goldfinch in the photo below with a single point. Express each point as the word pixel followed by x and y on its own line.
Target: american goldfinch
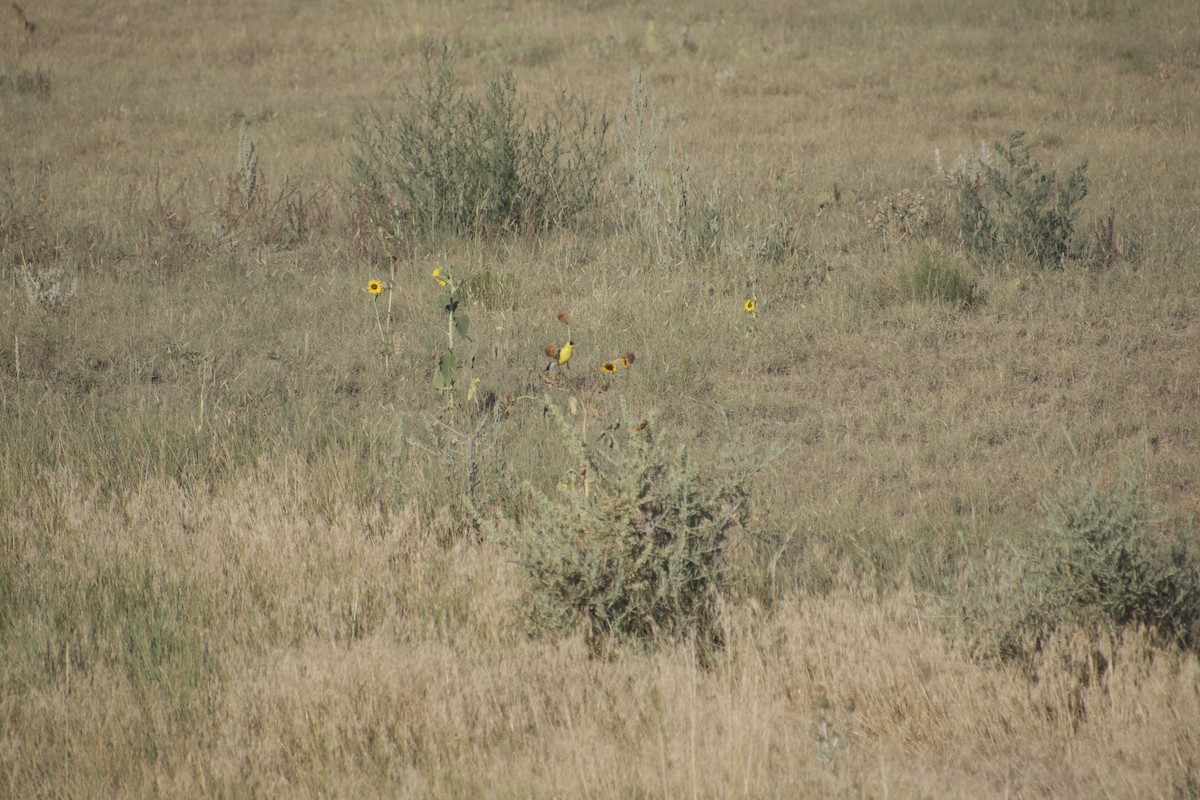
pixel 564 355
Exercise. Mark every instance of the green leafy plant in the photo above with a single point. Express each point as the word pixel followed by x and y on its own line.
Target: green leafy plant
pixel 451 163
pixel 1115 567
pixel 465 432
pixel 1007 207
pixel 458 326
pixel 632 545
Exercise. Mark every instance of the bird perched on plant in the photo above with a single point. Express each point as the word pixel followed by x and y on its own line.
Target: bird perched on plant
pixel 561 357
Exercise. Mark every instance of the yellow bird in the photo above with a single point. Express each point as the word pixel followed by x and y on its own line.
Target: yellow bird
pixel 564 355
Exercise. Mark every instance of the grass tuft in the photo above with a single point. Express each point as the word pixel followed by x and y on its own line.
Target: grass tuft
pixel 935 278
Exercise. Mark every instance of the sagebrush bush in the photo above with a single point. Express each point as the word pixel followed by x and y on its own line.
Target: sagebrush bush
pixel 631 546
pixel 1102 563
pixel 448 163
pixel 1007 207
pixel 657 198
pixel 1115 564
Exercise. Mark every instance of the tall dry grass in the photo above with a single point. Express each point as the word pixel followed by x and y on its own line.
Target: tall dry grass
pixel 233 556
pixel 354 656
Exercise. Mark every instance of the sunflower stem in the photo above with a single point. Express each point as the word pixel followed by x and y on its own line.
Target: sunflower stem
pixel 379 324
pixel 383 337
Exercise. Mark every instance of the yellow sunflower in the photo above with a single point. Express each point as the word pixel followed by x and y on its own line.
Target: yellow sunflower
pixel 374 287
pixel 750 305
pixel 609 367
pixel 437 275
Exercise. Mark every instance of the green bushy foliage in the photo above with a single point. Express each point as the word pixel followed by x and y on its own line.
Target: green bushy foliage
pixel 1007 207
pixel 449 163
pixel 1103 563
pixel 631 546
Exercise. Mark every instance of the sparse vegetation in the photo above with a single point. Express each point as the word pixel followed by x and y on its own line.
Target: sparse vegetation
pixel 251 456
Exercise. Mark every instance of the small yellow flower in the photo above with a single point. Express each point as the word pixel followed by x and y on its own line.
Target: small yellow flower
pixel 609 367
pixel 750 305
pixel 628 359
pixel 437 274
pixel 374 287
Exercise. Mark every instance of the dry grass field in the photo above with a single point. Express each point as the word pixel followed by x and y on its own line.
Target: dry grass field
pixel 251 547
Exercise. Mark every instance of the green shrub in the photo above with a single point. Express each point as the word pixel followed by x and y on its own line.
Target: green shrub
pixel 1008 208
pixel 935 279
pixel 631 546
pixel 452 164
pixel 1103 563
